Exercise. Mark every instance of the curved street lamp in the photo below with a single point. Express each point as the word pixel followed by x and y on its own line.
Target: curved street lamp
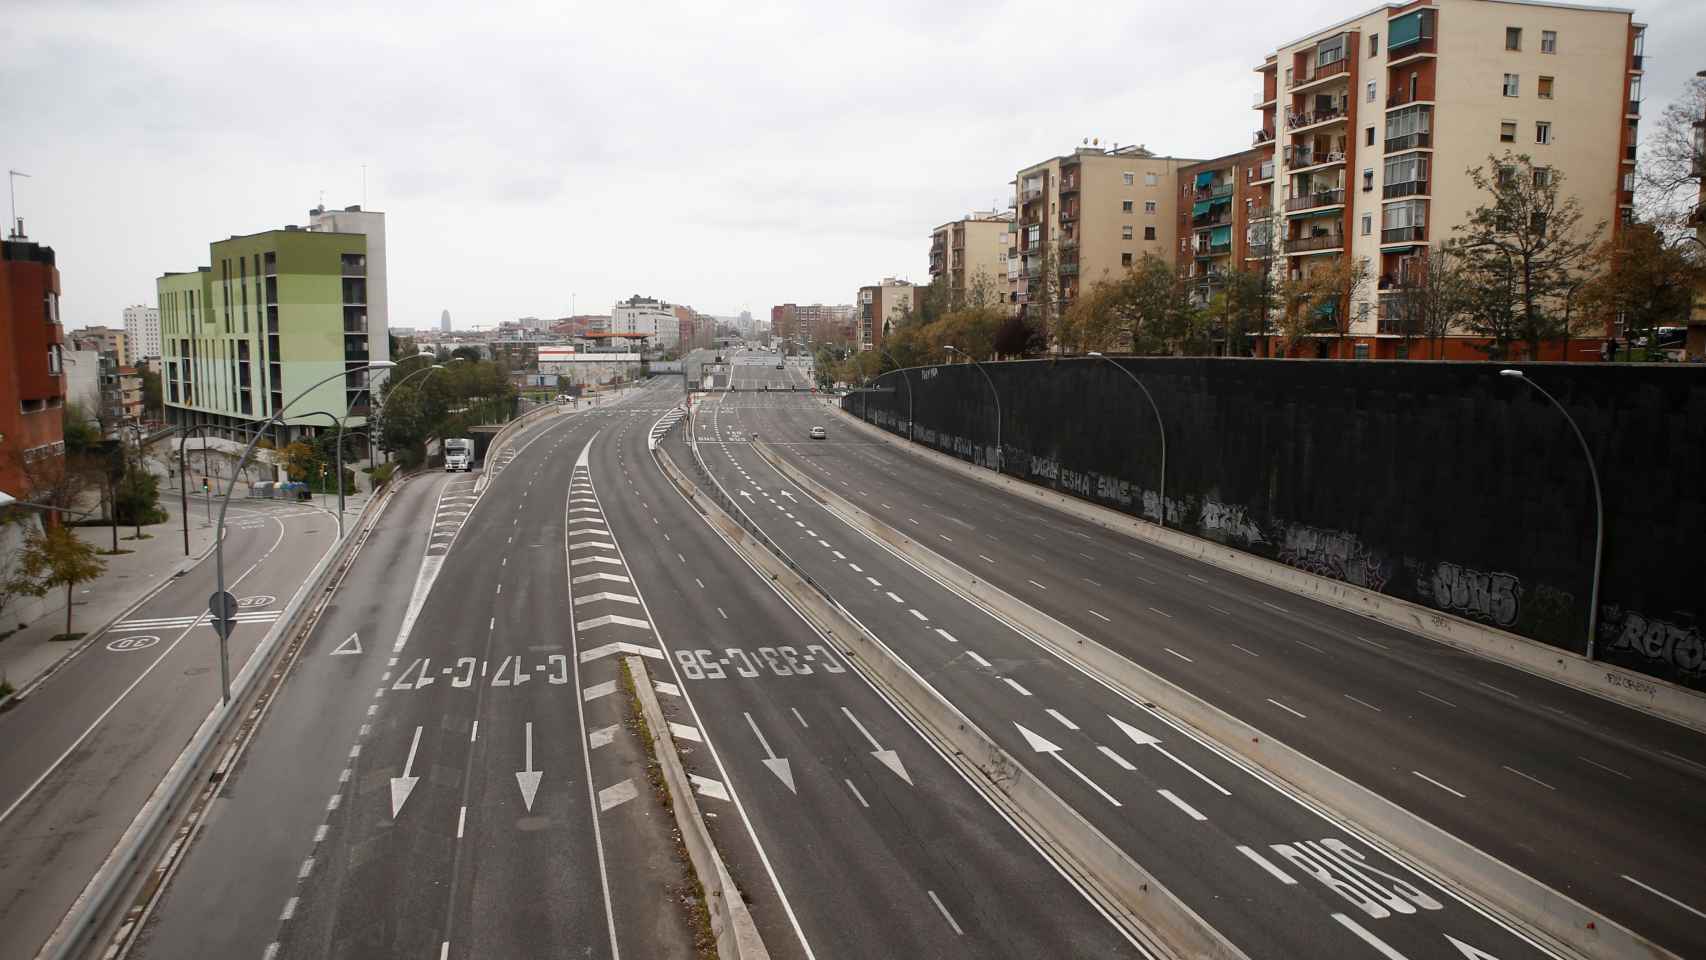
pixel 278 417
pixel 1160 428
pixel 428 370
pixel 993 392
pixel 1598 505
pixel 908 381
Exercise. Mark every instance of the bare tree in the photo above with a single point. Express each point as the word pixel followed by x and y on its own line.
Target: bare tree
pixel 1429 296
pixel 1673 160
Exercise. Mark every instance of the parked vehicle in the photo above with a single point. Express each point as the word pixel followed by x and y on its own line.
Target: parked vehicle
pixel 458 454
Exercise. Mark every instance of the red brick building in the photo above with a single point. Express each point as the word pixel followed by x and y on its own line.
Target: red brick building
pixel 32 380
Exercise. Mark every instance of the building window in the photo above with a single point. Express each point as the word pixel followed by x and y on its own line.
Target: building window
pixel 1367 179
pixel 1548 41
pixel 1629 180
pixel 1513 38
pixel 1125 206
pixel 1371 91
pixel 1374 44
pixel 1149 206
pixel 1125 232
pixel 1542 132
pixel 1545 88
pixel 1125 259
pixel 1149 180
pixel 1627 215
pixel 1511 84
pixel 1542 176
pixel 1361 349
pixel 1507 131
pixel 1149 233
pixel 1367 224
pixel 1129 178
pixel 1368 137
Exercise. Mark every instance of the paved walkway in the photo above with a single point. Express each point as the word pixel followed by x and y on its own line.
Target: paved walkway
pixel 29 653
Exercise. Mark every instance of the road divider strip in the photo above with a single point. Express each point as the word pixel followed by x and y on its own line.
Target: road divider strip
pixel 1450 861
pixel 1129 895
pixel 1639 691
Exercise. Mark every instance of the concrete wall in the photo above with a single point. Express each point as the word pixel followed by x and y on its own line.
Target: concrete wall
pixel 1440 483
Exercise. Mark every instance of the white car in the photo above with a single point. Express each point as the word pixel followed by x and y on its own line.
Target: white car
pixel 818 433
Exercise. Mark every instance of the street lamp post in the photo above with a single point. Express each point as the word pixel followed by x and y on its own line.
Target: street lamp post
pixel 993 392
pixel 908 381
pixel 1160 429
pixel 1598 505
pixel 225 504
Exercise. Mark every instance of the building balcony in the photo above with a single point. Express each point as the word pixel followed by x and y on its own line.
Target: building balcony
pixel 1316 244
pixel 1213 249
pixel 1069 215
pixel 1027 194
pixel 1406 50
pixel 1634 108
pixel 1308 119
pixel 1261 213
pixel 1311 201
pixel 1337 69
pixel 1262 136
pixel 1261 173
pixel 1069 269
pixel 1069 185
pixel 1258 251
pixel 1403 98
pixel 1411 234
pixel 1213 219
pixel 1303 159
pixel 1214 193
pixel 1629 154
pixel 1068 243
pixel 1410 141
pixel 1635 62
pixel 1409 188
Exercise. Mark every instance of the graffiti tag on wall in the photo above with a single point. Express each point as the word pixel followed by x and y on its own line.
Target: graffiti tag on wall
pixel 1334 553
pixel 1679 647
pixel 1229 521
pixel 1493 597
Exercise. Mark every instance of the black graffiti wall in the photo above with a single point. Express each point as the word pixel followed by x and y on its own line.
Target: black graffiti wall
pixel 1441 483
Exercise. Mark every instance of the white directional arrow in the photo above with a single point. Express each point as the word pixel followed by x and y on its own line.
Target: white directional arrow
pixel 787 494
pixel 777 765
pixel 403 785
pixel 1145 740
pixel 889 758
pixel 527 777
pixel 744 494
pixel 1041 745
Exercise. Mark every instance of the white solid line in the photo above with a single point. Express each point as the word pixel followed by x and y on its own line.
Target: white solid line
pixel 1287 709
pixel 1163 613
pixel 444 950
pixel 945 914
pixel 1178 654
pixel 461 820
pixel 1499 690
pixel 1661 893
pixel 1015 685
pixel 1263 862
pixel 1036 584
pixel 1248 651
pixel 980 661
pixel 1275 606
pixel 1440 699
pixel 1529 778
pixel 1111 755
pixel 1439 785
pixel 1099 616
pixel 1368 938
pixel 1364 703
pixel 1605 768
pixel 1189 810
pixel 856 794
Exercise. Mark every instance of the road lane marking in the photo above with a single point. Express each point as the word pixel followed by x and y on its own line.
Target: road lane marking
pixel 1116 758
pixel 1064 721
pixel 1016 686
pixel 473 734
pixel 1248 651
pixel 915 613
pixel 1275 606
pixel 597 690
pixel 1162 612
pixel 1287 709
pixel 1304 643
pixel 894 597
pixel 601 737
pixel 289 911
pixel 1265 864
pixel 1529 778
pixel 984 558
pixel 1196 578
pixel 705 786
pixel 1372 643
pixel 945 914
pixel 1439 785
pixel 1662 894
pixel 945 635
pixel 1178 654
pixel 1036 584
pixel 1099 616
pixel 1189 810
pixel 1378 944
pixel 797 716
pixel 1440 699
pixel 616 794
pixel 1364 703
pixel 1604 767
pixel 1147 580
pixel 461 820
pixel 856 794
pixel 1498 690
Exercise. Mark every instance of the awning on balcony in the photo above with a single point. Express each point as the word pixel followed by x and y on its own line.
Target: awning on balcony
pixel 1405 249
pixel 1205 178
pixel 1325 310
pixel 1403 30
pixel 1225 201
pixel 1200 207
pixel 1220 235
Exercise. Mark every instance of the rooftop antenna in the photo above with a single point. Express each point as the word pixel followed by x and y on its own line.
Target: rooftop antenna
pixel 12 187
pixel 364 186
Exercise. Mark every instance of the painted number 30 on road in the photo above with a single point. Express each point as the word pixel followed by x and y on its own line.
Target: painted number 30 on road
pixel 781 661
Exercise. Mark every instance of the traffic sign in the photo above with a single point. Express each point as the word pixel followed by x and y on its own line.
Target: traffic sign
pixel 222 607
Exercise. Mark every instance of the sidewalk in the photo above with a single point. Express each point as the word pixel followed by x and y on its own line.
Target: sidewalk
pixel 27 655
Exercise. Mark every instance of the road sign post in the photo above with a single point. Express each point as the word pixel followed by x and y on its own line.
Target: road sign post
pixel 222 607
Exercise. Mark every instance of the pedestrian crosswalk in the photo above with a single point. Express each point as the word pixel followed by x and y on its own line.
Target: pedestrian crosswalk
pixel 145 624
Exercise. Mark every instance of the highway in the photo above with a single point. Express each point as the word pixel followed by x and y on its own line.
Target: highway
pixel 1523 768
pixel 1257 862
pixel 89 745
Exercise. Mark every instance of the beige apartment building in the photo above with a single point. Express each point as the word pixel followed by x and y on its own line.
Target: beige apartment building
pixel 1371 123
pixel 1094 213
pixel 104 339
pixel 878 308
pixel 970 254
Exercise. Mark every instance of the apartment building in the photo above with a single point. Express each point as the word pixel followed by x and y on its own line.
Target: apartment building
pixel 276 312
pixel 105 340
pixel 142 330
pixel 879 307
pixel 1085 217
pixel 32 361
pixel 1358 117
pixel 653 318
pixel 1224 214
pixel 970 255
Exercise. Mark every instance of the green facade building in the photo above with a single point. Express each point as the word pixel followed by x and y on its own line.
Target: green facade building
pixel 275 312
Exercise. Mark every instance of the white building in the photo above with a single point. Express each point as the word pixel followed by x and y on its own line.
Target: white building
pixel 142 329
pixel 654 318
pixel 370 223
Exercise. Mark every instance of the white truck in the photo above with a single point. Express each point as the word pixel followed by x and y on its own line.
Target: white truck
pixel 458 454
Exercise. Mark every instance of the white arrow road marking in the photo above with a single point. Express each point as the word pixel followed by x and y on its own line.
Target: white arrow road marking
pixel 633 649
pixel 777 765
pixel 787 494
pixel 595 597
pixel 1041 745
pixel 584 560
pixel 528 778
pixel 601 575
pixel 610 618
pixel 592 545
pixel 889 758
pixel 589 531
pixel 348 647
pixel 1145 740
pixel 402 786
pixel 1472 953
pixel 744 494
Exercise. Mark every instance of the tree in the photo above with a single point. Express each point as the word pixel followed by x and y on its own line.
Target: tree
pixel 153 405
pixel 1524 255
pixel 1430 294
pixel 1241 309
pixel 467 354
pixel 1016 338
pixel 14 581
pixel 301 461
pixel 1641 280
pixel 54 557
pixel 136 499
pixel 1673 159
pixel 1147 310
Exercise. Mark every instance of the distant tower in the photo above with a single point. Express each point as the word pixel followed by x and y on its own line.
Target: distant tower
pixel 444 321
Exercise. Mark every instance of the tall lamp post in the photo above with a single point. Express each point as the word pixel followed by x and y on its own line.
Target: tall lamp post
pixel 1160 428
pixel 993 392
pixel 225 504
pixel 1598 505
pixel 908 381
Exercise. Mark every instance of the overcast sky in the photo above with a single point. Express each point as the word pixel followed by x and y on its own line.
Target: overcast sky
pixel 725 155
